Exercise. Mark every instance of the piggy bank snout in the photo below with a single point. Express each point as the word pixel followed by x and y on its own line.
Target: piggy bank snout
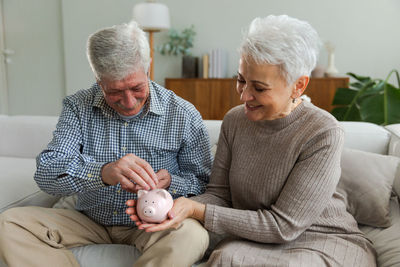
pixel 149 211
pixel 153 206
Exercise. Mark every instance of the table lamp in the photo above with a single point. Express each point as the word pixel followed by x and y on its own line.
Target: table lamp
pixel 151 17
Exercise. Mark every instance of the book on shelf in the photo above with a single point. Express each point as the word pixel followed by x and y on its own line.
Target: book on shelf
pixel 205 66
pixel 217 63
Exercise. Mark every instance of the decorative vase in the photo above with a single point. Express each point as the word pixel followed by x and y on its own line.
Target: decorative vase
pixel 190 67
pixel 331 71
pixel 318 72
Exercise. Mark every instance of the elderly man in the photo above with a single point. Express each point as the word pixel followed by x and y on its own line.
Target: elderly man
pixel 123 134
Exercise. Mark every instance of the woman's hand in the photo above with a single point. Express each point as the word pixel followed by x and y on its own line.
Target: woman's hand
pixel 131 211
pixel 183 208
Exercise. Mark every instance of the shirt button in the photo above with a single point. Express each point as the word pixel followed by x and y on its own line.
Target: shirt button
pixel 174 191
pixel 123 148
pixel 126 124
pixel 115 212
pixel 90 175
pixel 119 191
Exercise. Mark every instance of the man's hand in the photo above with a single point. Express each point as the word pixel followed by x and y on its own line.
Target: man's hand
pixel 132 172
pixel 164 179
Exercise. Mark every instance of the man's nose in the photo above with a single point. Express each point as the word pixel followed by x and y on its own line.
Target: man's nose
pixel 129 99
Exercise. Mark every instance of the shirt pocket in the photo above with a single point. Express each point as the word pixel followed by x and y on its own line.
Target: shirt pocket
pixel 163 156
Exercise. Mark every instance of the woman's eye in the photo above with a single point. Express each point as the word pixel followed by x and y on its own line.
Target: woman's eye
pixel 259 89
pixel 241 81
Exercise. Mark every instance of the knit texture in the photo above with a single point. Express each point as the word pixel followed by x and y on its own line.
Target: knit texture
pixel 272 181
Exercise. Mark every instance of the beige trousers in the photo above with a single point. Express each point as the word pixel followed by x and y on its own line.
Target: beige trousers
pixel 36 236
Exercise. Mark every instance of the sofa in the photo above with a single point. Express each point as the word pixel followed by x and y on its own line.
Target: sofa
pixel 370 182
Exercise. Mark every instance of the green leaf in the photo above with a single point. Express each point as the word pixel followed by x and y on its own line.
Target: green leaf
pixel 344 96
pixel 356 85
pixel 363 79
pixel 375 88
pixel 179 43
pixel 338 112
pixel 371 100
pixel 371 109
pixel 352 114
pixel 393 104
pixel 346 114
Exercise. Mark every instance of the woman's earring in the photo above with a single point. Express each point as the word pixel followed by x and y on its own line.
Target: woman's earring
pixel 294 100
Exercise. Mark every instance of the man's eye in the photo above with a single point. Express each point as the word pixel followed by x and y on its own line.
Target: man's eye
pixel 111 92
pixel 260 89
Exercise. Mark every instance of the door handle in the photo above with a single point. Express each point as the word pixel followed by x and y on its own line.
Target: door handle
pixel 8 52
pixel 7 55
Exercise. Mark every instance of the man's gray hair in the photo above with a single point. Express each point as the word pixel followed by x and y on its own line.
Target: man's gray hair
pixel 118 51
pixel 289 43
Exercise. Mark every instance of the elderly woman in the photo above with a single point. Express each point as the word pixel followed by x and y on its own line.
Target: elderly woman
pixel 272 189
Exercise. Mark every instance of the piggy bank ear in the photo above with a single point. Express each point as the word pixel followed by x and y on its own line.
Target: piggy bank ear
pixel 162 193
pixel 142 193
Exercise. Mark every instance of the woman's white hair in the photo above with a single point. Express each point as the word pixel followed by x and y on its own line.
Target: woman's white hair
pixel 118 51
pixel 289 43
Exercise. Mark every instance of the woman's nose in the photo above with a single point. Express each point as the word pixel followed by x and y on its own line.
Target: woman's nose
pixel 246 95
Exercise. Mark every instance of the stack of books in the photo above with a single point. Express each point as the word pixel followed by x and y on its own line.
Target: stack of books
pixel 215 64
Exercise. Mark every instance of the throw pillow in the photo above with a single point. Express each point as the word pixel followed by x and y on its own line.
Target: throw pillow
pixel 366 182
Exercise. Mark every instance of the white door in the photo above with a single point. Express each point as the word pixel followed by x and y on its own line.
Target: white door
pixel 33 55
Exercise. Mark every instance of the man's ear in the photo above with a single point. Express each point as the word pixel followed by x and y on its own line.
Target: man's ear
pixel 300 85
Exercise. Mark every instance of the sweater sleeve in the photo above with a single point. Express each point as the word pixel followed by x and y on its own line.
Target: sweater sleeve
pixel 303 198
pixel 218 192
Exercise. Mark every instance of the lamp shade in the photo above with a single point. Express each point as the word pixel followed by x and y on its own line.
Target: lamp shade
pixel 152 16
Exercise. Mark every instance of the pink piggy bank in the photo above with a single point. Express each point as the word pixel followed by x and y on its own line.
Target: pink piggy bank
pixel 153 206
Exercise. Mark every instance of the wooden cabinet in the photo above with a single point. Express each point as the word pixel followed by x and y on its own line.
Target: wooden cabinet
pixel 214 97
pixel 322 90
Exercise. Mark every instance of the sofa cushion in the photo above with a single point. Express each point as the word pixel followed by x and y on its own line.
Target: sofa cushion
pixel 386 241
pixel 366 182
pixel 366 136
pixel 213 128
pixel 16 179
pixel 106 255
pixel 25 136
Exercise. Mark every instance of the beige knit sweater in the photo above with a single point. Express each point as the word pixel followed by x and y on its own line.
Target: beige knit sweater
pixel 273 180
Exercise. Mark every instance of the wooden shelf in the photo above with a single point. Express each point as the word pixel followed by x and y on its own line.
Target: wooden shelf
pixel 214 97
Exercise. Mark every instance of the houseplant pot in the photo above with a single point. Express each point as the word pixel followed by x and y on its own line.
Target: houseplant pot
pixel 190 67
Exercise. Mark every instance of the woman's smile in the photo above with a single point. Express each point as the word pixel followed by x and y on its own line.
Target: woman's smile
pixel 252 107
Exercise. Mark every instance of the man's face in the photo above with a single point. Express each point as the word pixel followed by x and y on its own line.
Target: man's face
pixel 127 96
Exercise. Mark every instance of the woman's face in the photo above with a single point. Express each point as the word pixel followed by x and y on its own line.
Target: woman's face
pixel 264 91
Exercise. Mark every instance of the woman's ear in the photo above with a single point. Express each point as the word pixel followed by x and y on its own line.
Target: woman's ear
pixel 300 85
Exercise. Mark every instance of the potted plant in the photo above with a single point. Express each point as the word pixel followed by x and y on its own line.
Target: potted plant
pixel 371 100
pixel 180 44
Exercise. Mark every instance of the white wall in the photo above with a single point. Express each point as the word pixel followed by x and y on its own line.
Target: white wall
pixel 365 32
pixel 80 19
pixel 35 71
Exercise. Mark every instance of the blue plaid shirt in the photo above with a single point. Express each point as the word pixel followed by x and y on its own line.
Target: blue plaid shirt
pixel 168 134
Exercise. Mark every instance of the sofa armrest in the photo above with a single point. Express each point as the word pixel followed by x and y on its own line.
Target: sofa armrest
pixel 394 145
pixel 38 198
